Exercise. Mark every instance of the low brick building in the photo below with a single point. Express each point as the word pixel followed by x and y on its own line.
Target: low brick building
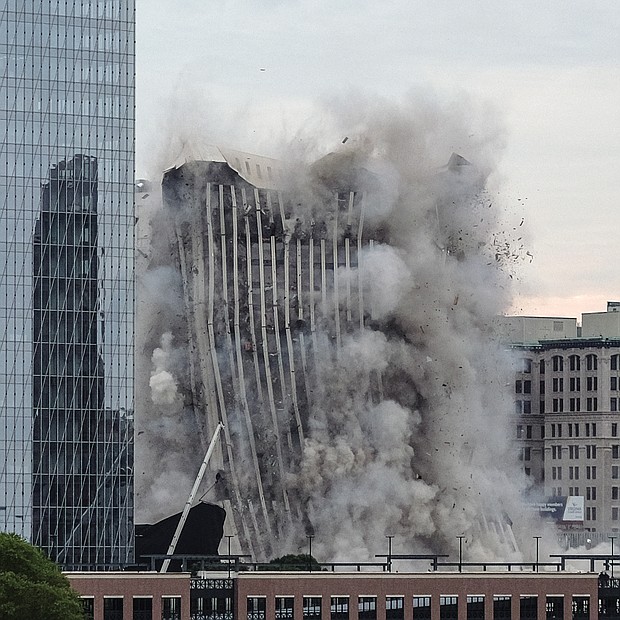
pixel 257 595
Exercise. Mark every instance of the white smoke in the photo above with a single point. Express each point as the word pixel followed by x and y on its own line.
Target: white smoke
pixel 164 386
pixel 433 458
pixel 409 433
pixel 166 445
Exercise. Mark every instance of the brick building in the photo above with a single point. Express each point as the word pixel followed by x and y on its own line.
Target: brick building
pixel 257 595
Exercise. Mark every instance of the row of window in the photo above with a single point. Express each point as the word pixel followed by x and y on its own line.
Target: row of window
pixel 590 493
pixel 574 384
pixel 557 405
pixel 524 386
pixel 574 472
pixel 590 429
pixel 573 363
pixel 142 608
pixel 526 431
pixel 574 451
pixel 365 607
pixel 575 491
pixel 573 429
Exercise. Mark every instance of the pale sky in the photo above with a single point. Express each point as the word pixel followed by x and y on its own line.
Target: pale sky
pixel 240 71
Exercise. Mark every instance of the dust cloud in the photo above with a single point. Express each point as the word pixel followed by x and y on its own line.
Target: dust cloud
pixel 409 429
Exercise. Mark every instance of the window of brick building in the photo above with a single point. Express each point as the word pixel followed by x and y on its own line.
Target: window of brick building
pixel 257 607
pixel 285 608
pixel 448 607
pixel 312 608
pixel 113 608
pixel 422 607
pixel 475 607
pixel 339 608
pixel 502 607
pixel 528 608
pixel 394 608
pixel 142 608
pixel 171 607
pixel 367 608
pixel 581 608
pixel 554 608
pixel 88 607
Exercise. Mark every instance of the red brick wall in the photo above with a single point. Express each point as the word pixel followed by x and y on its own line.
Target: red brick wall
pixel 128 585
pixel 409 585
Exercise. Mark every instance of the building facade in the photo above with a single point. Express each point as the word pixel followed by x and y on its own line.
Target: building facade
pixel 66 277
pixel 567 403
pixel 257 595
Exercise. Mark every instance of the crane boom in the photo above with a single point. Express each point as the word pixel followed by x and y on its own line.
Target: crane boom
pixel 190 499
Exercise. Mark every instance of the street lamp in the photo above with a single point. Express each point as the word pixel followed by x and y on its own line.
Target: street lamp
pixel 537 538
pixel 612 538
pixel 310 537
pixel 460 553
pixel 229 536
pixel 389 537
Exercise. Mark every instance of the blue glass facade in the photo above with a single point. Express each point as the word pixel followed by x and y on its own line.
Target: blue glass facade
pixel 66 277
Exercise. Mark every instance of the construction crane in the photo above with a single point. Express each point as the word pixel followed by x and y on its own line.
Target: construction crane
pixel 190 499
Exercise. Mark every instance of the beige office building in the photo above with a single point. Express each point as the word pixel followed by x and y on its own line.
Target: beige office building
pixel 567 393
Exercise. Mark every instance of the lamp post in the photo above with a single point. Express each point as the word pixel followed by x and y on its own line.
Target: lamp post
pixel 389 559
pixel 460 553
pixel 310 537
pixel 612 538
pixel 537 538
pixel 229 536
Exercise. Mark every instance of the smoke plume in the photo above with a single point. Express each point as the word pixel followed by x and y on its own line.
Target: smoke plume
pixel 409 430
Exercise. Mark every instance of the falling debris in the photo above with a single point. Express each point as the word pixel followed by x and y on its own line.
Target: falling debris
pixel 331 321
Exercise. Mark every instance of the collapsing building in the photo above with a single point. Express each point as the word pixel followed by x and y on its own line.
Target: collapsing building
pixel 274 285
pixel 266 286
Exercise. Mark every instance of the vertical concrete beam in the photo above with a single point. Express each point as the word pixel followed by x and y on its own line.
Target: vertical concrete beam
pixel 347 259
pixel 336 292
pixel 265 346
pixel 360 267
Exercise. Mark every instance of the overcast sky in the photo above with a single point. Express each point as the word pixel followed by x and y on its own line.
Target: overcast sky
pixel 240 71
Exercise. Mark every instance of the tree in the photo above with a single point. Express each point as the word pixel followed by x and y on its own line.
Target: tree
pixel 301 562
pixel 32 586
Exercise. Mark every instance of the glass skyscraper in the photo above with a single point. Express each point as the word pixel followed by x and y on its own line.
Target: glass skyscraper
pixel 66 277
